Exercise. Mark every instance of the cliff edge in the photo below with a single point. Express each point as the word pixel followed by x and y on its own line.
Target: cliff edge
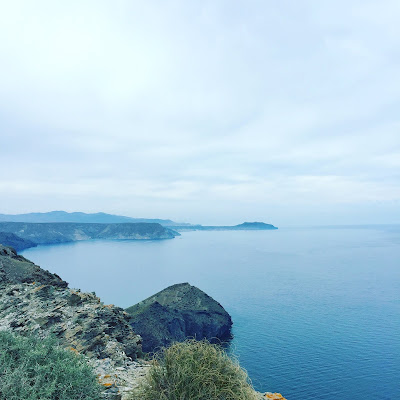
pixel 35 301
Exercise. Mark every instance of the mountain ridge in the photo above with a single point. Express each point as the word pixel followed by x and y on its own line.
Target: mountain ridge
pixel 80 217
pixel 101 217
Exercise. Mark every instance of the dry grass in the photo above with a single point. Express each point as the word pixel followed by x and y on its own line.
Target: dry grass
pixel 195 370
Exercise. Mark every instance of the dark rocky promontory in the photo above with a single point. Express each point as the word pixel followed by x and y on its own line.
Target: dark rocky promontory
pixel 178 312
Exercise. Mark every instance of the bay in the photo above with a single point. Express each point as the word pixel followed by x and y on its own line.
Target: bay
pixel 316 311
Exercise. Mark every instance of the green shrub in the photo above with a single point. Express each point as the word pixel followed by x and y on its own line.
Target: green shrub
pixel 39 369
pixel 194 370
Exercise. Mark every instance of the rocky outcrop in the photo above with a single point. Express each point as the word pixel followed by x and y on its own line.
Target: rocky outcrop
pixel 14 241
pixel 79 320
pixel 63 232
pixel 176 313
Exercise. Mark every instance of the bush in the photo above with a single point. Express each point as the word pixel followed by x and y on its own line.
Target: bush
pixel 39 369
pixel 194 370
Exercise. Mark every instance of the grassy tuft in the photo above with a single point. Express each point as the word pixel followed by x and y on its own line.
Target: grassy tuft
pixel 39 369
pixel 194 370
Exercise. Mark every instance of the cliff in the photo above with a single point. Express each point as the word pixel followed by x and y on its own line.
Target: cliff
pixel 34 301
pixel 14 241
pixel 63 232
pixel 15 269
pixel 178 312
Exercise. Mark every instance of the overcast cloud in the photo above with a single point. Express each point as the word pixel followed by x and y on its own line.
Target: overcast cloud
pixel 202 111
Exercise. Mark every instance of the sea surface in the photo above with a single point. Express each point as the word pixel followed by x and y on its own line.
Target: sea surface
pixel 316 311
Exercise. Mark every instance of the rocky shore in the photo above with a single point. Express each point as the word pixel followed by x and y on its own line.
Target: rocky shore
pixel 35 301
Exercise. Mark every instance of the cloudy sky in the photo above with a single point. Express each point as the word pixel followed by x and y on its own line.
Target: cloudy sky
pixel 202 111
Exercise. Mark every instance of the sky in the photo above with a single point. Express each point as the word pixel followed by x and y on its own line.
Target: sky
pixel 212 111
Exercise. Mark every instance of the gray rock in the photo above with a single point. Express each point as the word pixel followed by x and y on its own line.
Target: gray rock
pixel 176 313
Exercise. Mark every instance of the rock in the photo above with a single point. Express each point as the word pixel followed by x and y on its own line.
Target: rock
pixel 178 312
pixel 271 396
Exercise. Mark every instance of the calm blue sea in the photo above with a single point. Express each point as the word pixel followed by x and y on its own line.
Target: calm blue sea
pixel 316 311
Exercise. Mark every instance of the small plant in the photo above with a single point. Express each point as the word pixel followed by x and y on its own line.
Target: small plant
pixel 194 370
pixel 39 369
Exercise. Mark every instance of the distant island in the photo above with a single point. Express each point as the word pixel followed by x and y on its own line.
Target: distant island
pixel 246 226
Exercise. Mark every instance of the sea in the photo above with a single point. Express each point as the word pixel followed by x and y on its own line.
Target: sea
pixel 316 311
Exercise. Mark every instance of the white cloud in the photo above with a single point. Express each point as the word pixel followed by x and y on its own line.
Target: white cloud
pixel 209 106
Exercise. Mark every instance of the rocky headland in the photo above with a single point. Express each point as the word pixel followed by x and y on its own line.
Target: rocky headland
pixel 179 312
pixel 64 232
pixel 34 301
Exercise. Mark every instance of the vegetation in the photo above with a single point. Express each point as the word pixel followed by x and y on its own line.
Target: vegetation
pixel 39 369
pixel 194 370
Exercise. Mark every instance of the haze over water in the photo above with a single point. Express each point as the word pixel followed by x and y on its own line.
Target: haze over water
pixel 316 311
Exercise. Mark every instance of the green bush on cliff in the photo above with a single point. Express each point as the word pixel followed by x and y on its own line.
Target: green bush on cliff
pixel 38 369
pixel 194 370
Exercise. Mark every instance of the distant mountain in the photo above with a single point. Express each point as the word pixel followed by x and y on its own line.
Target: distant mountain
pixel 103 218
pixel 80 217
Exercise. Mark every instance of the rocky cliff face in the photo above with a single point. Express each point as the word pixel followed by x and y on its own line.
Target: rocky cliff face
pixel 34 301
pixel 176 313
